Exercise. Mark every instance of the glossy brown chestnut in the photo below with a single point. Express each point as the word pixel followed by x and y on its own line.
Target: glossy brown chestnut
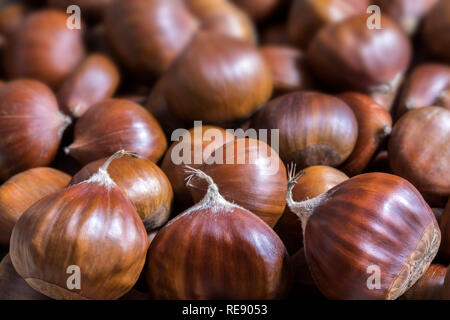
pixel 444 250
pixel 223 251
pixel 370 237
pixel 430 286
pixel 248 173
pixel 96 79
pixel 316 180
pixel 90 7
pixel 142 182
pixel 289 69
pixel 217 79
pixel 113 124
pixel 308 16
pixel 13 287
pixel 435 30
pixel 374 126
pixel 258 9
pixel 419 152
pixel 350 56
pixel 31 126
pixel 314 128
pixel 406 13
pixel 19 192
pixel 43 48
pixel 208 138
pixel 427 85
pixel 92 226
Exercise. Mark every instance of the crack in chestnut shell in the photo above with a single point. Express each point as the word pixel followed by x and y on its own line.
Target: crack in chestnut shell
pixel 228 253
pixel 89 225
pixel 371 219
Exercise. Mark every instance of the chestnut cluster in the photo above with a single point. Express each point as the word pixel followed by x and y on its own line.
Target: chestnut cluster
pixel 225 149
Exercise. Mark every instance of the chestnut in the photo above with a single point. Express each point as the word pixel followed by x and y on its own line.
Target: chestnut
pixel 142 182
pixel 90 227
pixel 316 180
pixel 435 30
pixel 374 126
pixel 289 69
pixel 350 56
pixel 217 79
pixel 222 251
pixel 96 79
pixel 21 191
pixel 314 128
pixel 430 286
pixel 43 48
pixel 31 126
pixel 249 173
pixel 444 250
pixel 427 85
pixel 370 237
pixel 419 151
pixel 258 9
pixel 115 123
pixel 306 17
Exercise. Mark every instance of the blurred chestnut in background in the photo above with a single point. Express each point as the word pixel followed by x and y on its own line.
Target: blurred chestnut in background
pixel 142 182
pixel 258 9
pixel 217 79
pixel 430 286
pixel 222 251
pixel 116 124
pixel 306 17
pixel 444 250
pixel 21 191
pixel 96 79
pixel 31 126
pixel 11 15
pixel 419 151
pixel 373 219
pixel 427 85
pixel 249 173
pixel 406 13
pixel 314 128
pixel 90 7
pixel 43 48
pixel 435 33
pixel 208 138
pixel 316 180
pixel 289 69
pixel 374 126
pixel 350 56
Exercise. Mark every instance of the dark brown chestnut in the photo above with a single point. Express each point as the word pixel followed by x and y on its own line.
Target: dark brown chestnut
pixel 43 48
pixel 430 286
pixel 31 126
pixel 113 124
pixel 314 128
pixel 427 85
pixel 374 126
pixel 217 79
pixel 96 79
pixel 435 30
pixel 142 182
pixel 19 192
pixel 370 237
pixel 222 251
pixel 419 152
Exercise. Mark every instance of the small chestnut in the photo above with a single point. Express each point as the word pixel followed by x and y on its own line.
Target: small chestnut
pixel 435 30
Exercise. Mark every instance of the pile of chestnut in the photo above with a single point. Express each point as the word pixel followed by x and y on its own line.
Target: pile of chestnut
pixel 348 200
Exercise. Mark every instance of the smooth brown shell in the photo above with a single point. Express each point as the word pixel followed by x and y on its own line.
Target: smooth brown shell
pixel 115 124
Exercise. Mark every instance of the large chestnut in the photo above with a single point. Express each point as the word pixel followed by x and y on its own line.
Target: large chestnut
pixel 248 173
pixel 419 151
pixel 90 231
pixel 142 182
pixel 316 180
pixel 435 30
pixel 31 126
pixel 427 85
pixel 21 191
pixel 96 79
pixel 374 126
pixel 314 128
pixel 43 48
pixel 370 237
pixel 221 251
pixel 430 286
pixel 217 79
pixel 113 124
